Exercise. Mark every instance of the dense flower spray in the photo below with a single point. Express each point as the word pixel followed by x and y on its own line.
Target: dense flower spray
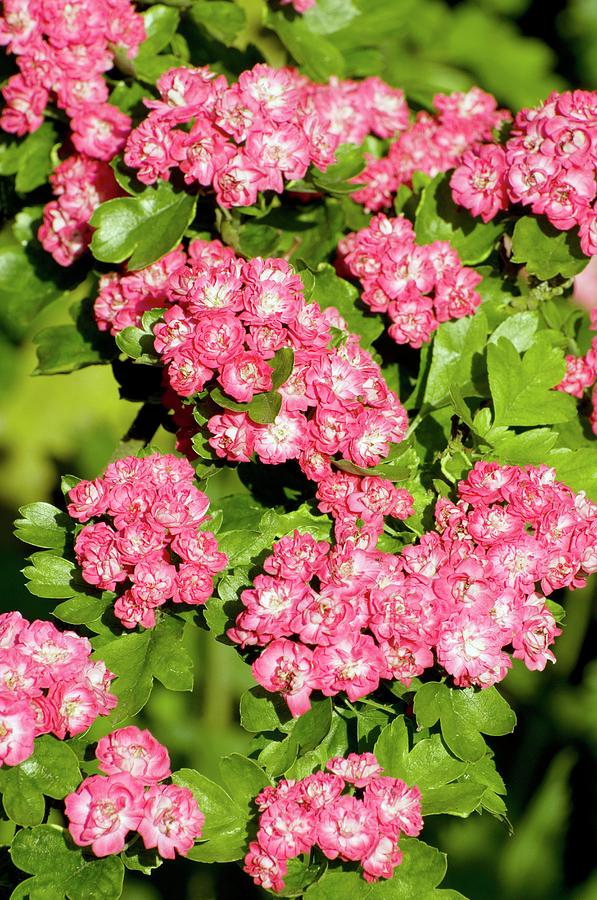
pixel 226 320
pixel 351 812
pixel 63 50
pixel 48 685
pixel 432 143
pixel 466 597
pixel 418 287
pixel 146 540
pixel 547 163
pixel 132 796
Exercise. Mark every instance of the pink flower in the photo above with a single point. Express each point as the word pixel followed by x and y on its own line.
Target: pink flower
pixel 266 870
pixel 356 768
pixel 286 829
pixel 102 811
pixel 244 375
pixel 100 131
pixel 76 708
pixel 381 860
pixel 479 183
pixel 397 807
pixel 287 667
pixel 171 821
pixel 17 730
pixel 134 751
pixel 345 829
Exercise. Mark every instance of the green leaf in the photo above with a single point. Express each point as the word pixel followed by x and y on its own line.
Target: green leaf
pixel 31 159
pixel 243 778
pixel 486 710
pixel 545 251
pixel 262 409
pixel 521 388
pixel 23 802
pixel 262 711
pixel 459 799
pixel 138 344
pixel 61 869
pixel 224 832
pixel 222 20
pixel 25 263
pixel 64 348
pixel 300 874
pixel 312 727
pixel 160 24
pixel 335 180
pixel 520 329
pixel 51 576
pixel 43 525
pixel 456 346
pixel 143 228
pixel 53 770
pixel 427 703
pixel 82 610
pixel 282 365
pixel 139 658
pixel 440 219
pixel 464 714
pixel 422 869
pixel 528 448
pixel 327 16
pixel 138 859
pixel 577 468
pixel 391 748
pixel 428 765
pixel 317 57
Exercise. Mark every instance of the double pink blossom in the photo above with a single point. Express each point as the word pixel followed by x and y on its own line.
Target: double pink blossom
pixel 145 537
pixel 48 685
pixel 103 810
pixel 362 827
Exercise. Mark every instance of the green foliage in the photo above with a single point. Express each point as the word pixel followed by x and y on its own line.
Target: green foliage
pixel 464 715
pixel 139 658
pixel 521 388
pixel 439 219
pixel 143 228
pixel 29 279
pixel 30 160
pixel 225 829
pixel 421 871
pixel 43 525
pixel 483 389
pixel 544 251
pixel 60 869
pixel 52 770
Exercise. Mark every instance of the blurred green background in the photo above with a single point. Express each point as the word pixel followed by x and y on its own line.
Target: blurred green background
pixel 519 50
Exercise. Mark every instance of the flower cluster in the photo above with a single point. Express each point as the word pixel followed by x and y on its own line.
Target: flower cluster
pixel 430 144
pixel 581 374
pixel 258 133
pixel 547 163
pixel 132 797
pixel 62 50
pixel 226 319
pixel 80 184
pixel 48 685
pixel 146 539
pixel 362 825
pixel 417 286
pixel 465 597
